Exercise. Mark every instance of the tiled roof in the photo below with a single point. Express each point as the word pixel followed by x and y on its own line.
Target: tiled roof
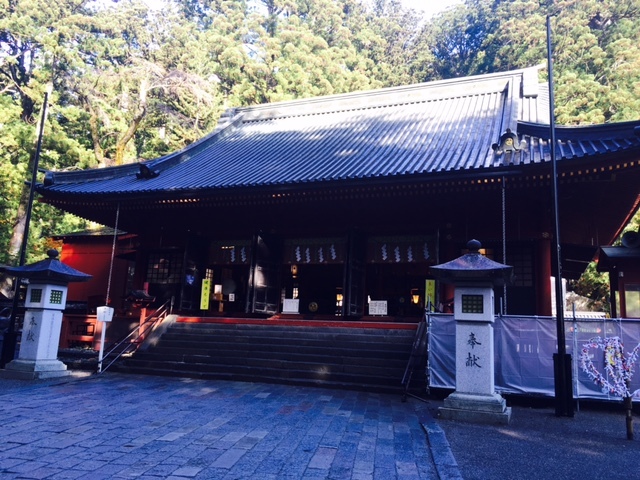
pixel 444 127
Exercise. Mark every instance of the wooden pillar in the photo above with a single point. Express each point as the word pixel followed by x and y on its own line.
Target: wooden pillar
pixel 447 290
pixel 614 291
pixel 543 277
pixel 622 298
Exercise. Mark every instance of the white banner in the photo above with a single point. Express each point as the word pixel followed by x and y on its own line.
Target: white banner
pixel 524 348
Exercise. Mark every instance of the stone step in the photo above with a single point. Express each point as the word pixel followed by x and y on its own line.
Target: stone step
pixel 284 369
pixel 354 358
pixel 301 363
pixel 251 376
pixel 309 345
pixel 279 331
pixel 322 356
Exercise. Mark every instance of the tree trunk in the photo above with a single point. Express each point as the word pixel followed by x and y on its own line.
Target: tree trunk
pixel 17 236
pixel 123 141
pixel 95 131
pixel 18 225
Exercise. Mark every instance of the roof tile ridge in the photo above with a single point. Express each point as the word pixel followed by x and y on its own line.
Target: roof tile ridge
pixel 59 177
pixel 413 86
pixel 380 98
pixel 232 118
pixel 229 120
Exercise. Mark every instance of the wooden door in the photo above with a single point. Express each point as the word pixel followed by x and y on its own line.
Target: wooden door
pixel 264 277
pixel 355 276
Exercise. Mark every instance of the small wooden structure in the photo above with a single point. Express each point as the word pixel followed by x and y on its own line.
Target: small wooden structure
pixel 623 264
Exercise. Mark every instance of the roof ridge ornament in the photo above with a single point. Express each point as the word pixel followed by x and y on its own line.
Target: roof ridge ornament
pixel 508 143
pixel 145 172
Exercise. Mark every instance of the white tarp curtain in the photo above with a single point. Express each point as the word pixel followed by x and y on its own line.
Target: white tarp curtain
pixel 524 348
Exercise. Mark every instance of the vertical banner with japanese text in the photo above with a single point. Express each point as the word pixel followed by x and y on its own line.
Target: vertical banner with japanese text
pixel 205 294
pixel 430 294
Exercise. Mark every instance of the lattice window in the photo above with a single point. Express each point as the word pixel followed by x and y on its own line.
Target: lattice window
pixel 164 267
pixel 521 259
pixel 55 298
pixel 36 295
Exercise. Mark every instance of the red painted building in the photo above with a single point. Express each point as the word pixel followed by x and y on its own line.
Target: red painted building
pixel 92 252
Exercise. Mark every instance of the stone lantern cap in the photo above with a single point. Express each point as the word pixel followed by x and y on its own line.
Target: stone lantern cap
pixel 49 270
pixel 473 267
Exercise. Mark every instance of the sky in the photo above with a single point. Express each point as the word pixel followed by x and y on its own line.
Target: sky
pixel 429 7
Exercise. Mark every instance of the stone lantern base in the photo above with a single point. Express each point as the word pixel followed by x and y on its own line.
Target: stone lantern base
pixel 34 369
pixel 468 407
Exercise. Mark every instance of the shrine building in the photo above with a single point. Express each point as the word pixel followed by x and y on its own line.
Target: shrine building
pixel 337 206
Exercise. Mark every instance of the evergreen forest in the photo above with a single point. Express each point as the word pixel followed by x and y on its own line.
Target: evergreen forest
pixel 130 82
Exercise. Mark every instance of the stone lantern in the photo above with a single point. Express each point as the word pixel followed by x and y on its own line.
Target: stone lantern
pixel 45 300
pixel 474 276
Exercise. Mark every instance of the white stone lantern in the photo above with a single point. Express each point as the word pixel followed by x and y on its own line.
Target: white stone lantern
pixel 474 277
pixel 45 300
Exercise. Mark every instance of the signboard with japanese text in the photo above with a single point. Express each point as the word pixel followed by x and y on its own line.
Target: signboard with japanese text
pixel 378 307
pixel 430 293
pixel 205 294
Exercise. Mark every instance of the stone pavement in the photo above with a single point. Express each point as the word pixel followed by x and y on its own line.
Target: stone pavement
pixel 128 426
pixel 538 445
pixel 120 426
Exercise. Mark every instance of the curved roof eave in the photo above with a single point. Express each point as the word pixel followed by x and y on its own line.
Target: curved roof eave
pixel 417 132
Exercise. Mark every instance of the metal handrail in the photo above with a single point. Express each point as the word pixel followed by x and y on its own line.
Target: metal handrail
pixel 5 312
pixel 418 352
pixel 157 316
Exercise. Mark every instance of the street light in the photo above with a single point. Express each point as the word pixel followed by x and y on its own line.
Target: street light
pixel 11 336
pixel 561 360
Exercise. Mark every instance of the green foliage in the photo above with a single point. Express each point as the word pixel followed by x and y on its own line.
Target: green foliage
pixel 595 50
pixel 462 39
pixel 594 286
pixel 13 162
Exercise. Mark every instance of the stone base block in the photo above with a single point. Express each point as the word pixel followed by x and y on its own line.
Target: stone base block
pixel 34 369
pixel 474 408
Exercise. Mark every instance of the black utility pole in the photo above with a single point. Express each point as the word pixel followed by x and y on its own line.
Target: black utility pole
pixel 561 360
pixel 11 335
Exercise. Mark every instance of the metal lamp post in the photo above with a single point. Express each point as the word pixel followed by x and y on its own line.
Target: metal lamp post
pixel 561 360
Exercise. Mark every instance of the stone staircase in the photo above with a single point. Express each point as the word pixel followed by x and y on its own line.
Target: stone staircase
pixel 348 357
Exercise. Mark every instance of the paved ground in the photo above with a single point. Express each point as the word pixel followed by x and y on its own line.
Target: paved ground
pixel 125 426
pixel 538 445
